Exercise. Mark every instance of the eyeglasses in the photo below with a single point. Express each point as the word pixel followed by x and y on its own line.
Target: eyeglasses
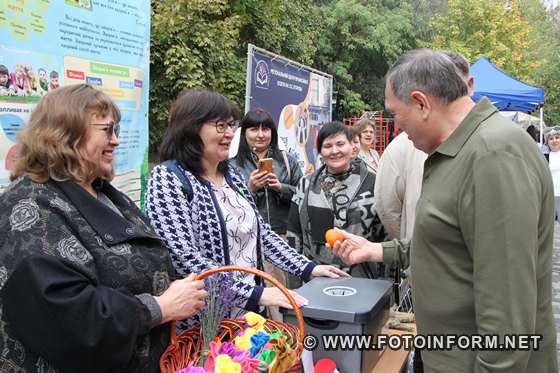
pixel 109 128
pixel 221 126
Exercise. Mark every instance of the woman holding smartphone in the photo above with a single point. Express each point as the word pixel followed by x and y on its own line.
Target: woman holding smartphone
pixel 272 174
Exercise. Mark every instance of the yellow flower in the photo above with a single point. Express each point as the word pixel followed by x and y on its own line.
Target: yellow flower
pixel 224 364
pixel 255 320
pixel 243 342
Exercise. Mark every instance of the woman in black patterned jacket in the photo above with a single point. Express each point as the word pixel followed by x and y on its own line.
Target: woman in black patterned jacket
pixel 86 284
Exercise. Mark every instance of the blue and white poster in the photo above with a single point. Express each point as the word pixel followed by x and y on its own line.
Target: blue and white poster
pixel 298 98
pixel 48 43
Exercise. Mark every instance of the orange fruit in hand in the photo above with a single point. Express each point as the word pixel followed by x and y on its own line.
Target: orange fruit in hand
pixel 332 235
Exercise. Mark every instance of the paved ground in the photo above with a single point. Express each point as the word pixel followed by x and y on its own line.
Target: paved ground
pixel 556 285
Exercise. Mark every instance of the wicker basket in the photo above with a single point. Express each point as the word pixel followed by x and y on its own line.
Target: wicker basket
pixel 185 349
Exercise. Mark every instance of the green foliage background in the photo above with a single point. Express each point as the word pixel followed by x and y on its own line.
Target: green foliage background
pixel 203 43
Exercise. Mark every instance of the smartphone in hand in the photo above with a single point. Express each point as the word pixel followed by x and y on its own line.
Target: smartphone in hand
pixel 265 164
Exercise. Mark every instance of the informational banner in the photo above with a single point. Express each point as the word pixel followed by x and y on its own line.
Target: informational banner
pixel 298 98
pixel 105 43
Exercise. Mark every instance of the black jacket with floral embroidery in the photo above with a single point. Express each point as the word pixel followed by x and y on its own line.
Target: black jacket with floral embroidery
pixel 77 281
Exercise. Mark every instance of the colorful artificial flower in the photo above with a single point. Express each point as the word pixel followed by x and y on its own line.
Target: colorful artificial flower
pixel 254 320
pixel 286 356
pixel 243 341
pixel 253 350
pixel 257 343
pixel 222 348
pixel 224 364
pixel 193 369
pixel 267 355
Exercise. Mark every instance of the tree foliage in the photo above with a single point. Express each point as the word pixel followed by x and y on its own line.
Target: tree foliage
pixel 546 45
pixel 422 12
pixel 285 27
pixel 203 43
pixel 486 27
pixel 522 39
pixel 193 44
pixel 358 41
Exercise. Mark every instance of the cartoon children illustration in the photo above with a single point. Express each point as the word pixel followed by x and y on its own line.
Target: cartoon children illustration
pixel 54 81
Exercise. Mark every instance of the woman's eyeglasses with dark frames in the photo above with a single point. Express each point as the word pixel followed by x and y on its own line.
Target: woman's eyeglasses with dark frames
pixel 109 128
pixel 221 126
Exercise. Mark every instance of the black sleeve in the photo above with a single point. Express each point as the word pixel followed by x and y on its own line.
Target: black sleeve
pixel 60 313
pixel 288 189
pixel 295 170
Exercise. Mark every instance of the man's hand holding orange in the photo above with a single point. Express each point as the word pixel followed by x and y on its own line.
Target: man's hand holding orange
pixel 353 249
pixel 332 235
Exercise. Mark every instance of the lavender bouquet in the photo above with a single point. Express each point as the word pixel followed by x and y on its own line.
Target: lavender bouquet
pixel 219 305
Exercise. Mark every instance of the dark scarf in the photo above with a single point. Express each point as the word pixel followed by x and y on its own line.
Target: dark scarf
pixel 329 181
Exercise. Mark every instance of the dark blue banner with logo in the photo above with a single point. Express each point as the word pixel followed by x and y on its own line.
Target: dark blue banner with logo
pixel 297 97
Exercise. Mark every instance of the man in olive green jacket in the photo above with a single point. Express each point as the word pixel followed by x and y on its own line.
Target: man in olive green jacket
pixel 481 251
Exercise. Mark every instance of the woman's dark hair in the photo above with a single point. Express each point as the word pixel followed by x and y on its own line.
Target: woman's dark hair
pixel 255 118
pixel 330 129
pixel 191 109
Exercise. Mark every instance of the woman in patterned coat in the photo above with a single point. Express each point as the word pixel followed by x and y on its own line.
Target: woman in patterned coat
pixel 86 284
pixel 338 194
pixel 203 210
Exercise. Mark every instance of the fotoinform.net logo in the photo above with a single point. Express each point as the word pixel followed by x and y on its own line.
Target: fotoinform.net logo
pixel 433 342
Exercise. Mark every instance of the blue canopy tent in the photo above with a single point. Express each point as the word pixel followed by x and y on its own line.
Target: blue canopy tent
pixel 504 91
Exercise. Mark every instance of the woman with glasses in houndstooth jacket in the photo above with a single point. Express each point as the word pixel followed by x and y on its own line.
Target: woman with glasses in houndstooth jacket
pixel 202 208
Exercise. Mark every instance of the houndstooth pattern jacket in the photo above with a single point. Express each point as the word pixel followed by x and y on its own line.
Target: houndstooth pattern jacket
pixel 187 217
